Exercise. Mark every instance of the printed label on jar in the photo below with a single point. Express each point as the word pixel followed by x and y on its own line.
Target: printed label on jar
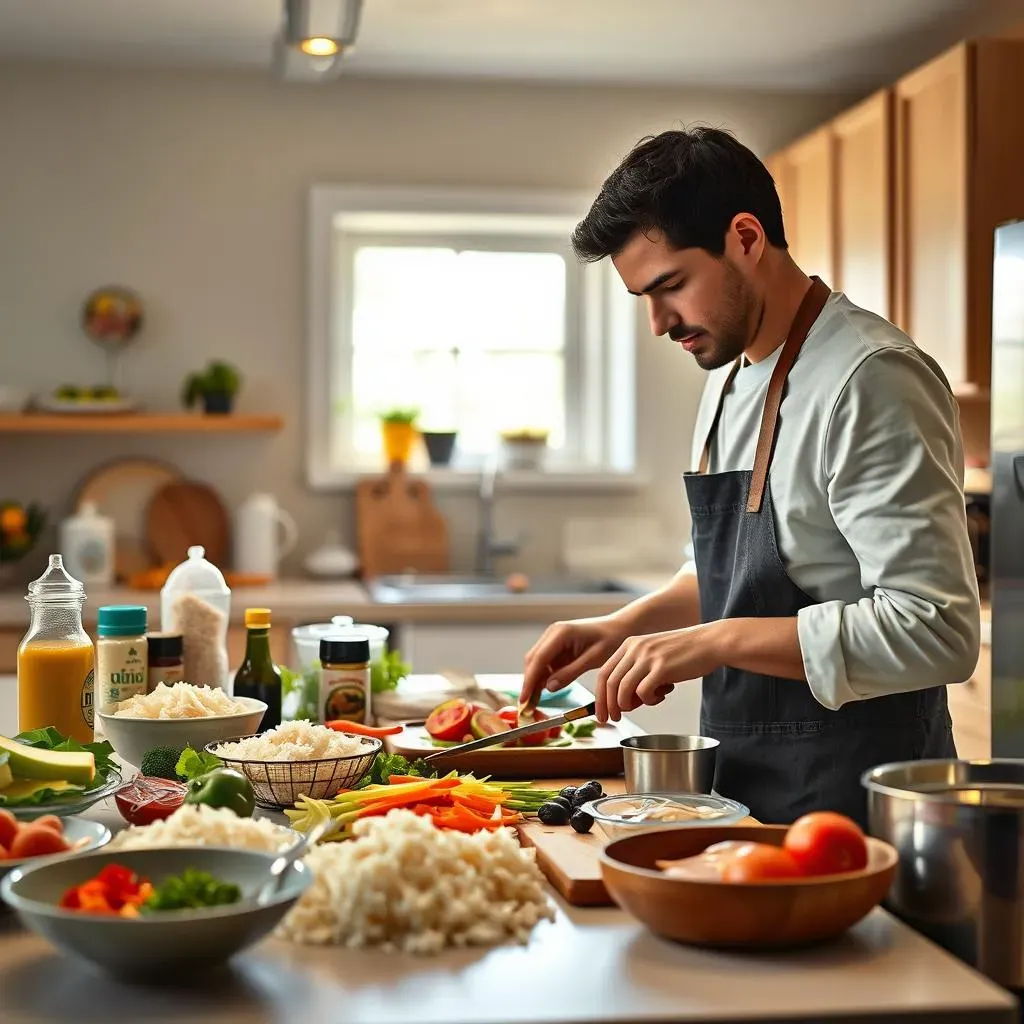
pixel 170 675
pixel 344 695
pixel 122 672
pixel 88 691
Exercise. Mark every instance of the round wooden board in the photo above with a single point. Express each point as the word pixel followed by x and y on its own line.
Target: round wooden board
pixel 185 513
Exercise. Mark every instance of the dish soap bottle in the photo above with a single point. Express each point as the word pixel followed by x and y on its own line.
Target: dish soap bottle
pixel 56 658
pixel 258 676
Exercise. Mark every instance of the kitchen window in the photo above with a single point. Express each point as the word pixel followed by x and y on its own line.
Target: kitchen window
pixel 471 307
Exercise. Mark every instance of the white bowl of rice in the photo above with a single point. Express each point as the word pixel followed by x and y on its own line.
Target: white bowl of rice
pixel 298 759
pixel 178 716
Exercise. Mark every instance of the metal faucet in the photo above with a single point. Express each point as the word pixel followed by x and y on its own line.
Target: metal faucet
pixel 488 547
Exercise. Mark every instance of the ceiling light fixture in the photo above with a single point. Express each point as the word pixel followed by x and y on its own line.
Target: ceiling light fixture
pixel 314 37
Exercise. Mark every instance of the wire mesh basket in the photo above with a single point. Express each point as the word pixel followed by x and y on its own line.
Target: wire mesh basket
pixel 279 784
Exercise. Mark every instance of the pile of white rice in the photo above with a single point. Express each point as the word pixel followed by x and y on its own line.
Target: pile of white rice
pixel 292 741
pixel 182 700
pixel 404 885
pixel 199 825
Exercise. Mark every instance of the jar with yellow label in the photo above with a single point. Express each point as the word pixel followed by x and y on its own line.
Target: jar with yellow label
pixel 345 679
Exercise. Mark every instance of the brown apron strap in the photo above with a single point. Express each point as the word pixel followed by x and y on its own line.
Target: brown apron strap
pixel 810 309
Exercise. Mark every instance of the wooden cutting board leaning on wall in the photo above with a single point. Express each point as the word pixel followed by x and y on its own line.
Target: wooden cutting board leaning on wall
pixel 398 527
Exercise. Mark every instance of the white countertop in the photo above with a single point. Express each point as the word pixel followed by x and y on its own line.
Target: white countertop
pixel 315 600
pixel 588 965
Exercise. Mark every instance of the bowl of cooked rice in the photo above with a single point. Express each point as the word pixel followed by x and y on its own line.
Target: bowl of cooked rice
pixel 178 716
pixel 298 759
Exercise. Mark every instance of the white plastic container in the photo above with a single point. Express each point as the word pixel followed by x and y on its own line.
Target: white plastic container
pixel 196 602
pixel 87 545
pixel 306 639
pixel 259 544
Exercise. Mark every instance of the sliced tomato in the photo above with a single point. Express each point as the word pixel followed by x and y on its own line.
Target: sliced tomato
pixel 539 738
pixel 487 723
pixel 450 720
pixel 509 715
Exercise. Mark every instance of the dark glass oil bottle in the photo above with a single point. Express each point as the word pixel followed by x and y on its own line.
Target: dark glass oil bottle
pixel 258 676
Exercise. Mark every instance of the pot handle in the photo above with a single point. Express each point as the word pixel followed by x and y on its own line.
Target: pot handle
pixel 291 532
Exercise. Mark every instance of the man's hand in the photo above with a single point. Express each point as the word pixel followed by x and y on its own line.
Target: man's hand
pixel 644 669
pixel 565 651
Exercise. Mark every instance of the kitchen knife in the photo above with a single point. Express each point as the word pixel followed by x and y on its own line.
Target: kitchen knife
pixel 513 734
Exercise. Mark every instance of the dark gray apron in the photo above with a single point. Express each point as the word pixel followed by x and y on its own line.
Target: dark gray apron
pixel 781 753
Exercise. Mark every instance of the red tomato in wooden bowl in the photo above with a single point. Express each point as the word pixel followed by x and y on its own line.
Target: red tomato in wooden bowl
pixel 826 843
pixel 758 862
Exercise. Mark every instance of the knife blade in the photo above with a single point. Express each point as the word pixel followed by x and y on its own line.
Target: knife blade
pixel 513 734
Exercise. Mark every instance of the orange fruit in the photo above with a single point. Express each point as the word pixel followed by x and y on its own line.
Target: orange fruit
pixel 13 519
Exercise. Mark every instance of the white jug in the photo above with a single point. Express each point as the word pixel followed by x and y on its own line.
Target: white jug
pixel 259 545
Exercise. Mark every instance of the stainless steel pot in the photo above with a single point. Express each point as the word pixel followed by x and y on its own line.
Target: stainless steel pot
pixel 669 764
pixel 959 829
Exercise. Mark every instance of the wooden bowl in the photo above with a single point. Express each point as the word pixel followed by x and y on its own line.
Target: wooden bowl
pixel 769 914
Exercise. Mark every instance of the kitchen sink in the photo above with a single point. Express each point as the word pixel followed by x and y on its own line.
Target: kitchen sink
pixel 411 589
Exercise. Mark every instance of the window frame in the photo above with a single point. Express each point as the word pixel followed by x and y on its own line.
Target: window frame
pixel 599 352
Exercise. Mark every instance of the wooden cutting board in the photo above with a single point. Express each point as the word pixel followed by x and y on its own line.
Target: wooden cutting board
pixel 571 861
pixel 184 513
pixel 398 527
pixel 595 757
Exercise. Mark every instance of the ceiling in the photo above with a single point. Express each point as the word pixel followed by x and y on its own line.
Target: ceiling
pixel 820 45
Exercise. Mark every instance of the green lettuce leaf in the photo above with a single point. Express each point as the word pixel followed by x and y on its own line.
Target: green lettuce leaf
pixel 194 763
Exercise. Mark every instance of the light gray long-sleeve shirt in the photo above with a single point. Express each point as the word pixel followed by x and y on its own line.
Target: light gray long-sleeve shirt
pixel 867 487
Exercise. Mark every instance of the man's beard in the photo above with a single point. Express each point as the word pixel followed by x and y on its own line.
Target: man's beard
pixel 730 339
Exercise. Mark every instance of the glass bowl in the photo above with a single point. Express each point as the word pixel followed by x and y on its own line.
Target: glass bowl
pixel 631 814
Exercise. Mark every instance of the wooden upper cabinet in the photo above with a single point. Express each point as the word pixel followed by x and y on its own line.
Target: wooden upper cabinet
pixel 778 167
pixel 808 201
pixel 931 209
pixel 960 174
pixel 863 178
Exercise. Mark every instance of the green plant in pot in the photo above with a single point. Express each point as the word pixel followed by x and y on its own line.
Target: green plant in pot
pixel 399 433
pixel 216 387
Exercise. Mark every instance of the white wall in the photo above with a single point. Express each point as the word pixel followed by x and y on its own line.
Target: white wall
pixel 191 188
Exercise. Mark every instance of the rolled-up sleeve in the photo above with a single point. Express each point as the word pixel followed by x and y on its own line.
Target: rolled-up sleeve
pixel 893 469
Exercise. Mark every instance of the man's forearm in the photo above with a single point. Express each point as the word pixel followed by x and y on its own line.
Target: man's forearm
pixel 675 606
pixel 769 647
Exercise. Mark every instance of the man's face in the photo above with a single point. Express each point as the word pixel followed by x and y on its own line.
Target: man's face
pixel 706 304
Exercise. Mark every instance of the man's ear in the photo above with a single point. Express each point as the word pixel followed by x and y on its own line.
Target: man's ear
pixel 745 240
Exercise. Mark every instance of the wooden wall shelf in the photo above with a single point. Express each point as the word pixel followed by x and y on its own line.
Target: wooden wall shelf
pixel 137 423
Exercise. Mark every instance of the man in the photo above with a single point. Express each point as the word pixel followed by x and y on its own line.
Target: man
pixel 832 592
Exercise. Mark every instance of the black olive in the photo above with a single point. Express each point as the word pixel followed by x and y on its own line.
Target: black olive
pixel 562 802
pixel 553 814
pixel 568 793
pixel 581 821
pixel 587 792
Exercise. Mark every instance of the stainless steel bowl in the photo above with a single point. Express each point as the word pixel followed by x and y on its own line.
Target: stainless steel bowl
pixel 958 827
pixel 669 764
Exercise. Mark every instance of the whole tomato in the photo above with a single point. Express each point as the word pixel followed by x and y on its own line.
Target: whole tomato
pixel 826 843
pixel 758 862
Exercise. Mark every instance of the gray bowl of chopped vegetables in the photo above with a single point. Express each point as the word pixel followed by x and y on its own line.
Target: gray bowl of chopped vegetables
pixel 148 915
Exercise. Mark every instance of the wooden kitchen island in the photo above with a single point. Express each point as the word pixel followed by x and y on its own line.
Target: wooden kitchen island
pixel 589 965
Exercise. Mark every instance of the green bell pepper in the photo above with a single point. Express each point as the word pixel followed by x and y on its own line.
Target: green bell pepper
pixel 223 787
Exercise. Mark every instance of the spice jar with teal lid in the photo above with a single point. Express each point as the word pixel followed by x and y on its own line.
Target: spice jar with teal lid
pixel 121 654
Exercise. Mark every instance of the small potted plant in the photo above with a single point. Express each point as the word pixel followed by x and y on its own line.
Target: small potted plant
pixel 217 386
pixel 399 433
pixel 524 448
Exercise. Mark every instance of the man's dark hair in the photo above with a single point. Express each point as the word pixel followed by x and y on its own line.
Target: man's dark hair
pixel 688 185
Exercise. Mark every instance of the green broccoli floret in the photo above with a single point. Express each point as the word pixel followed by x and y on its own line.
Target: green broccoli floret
pixel 161 763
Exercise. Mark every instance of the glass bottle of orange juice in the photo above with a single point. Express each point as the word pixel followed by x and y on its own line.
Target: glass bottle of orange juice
pixel 56 658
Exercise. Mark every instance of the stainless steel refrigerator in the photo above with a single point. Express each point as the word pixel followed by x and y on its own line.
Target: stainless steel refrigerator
pixel 1006 551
